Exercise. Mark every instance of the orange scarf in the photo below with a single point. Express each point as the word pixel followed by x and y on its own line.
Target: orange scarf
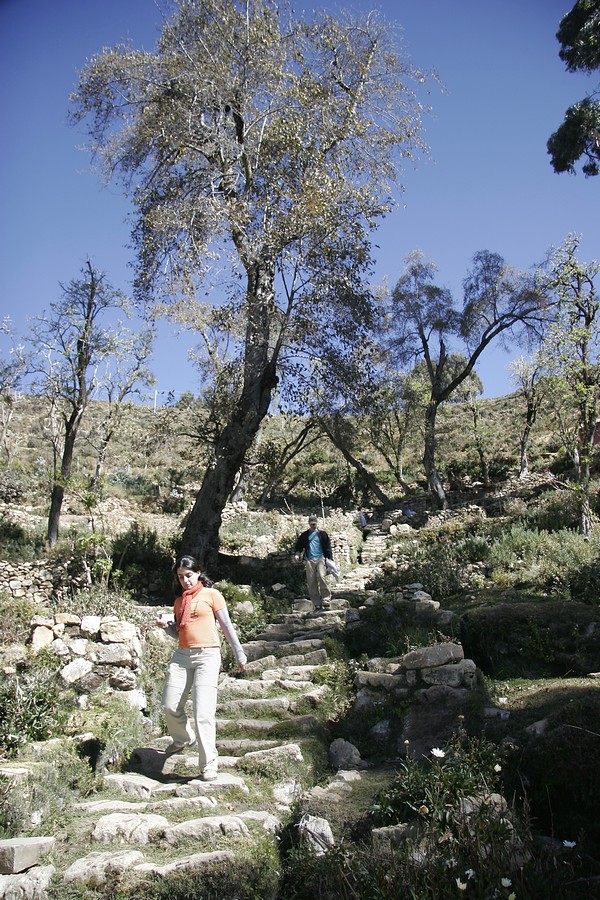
pixel 186 607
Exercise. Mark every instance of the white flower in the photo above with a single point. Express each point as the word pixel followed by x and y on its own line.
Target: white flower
pixel 497 767
pixel 470 873
pixel 461 885
pixel 439 754
pixel 569 844
pixel 506 882
pixel 512 896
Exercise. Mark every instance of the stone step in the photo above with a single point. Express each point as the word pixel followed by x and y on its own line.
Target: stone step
pixel 256 705
pixel 292 725
pixel 241 746
pixel 260 687
pixel 256 649
pixel 249 725
pixel 261 663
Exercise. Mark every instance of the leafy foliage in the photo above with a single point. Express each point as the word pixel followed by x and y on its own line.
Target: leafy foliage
pixel 579 37
pixel 31 708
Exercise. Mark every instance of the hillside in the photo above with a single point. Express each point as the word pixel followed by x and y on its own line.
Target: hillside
pixel 460 660
pixel 462 637
pixel 157 457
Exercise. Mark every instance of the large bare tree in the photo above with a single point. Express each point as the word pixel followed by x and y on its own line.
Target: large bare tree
pixel 260 149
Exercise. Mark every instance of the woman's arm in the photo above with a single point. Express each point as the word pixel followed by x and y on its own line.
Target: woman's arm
pixel 230 633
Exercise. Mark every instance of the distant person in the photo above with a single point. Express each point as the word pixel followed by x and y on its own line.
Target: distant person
pixel 407 510
pixel 195 665
pixel 315 547
pixel 362 519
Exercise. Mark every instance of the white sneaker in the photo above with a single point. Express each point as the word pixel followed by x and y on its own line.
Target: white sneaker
pixel 210 771
pixel 177 748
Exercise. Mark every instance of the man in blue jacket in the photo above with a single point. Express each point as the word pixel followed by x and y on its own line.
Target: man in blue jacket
pixel 314 545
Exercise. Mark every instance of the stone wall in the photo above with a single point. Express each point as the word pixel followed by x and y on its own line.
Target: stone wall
pixel 35 581
pixel 95 652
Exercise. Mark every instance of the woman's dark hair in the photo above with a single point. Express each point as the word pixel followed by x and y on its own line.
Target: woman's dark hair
pixel 189 562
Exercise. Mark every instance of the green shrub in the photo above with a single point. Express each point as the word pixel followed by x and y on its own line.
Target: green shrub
pixel 247 623
pixel 584 583
pixel 100 600
pixel 20 546
pixel 12 486
pixel 460 838
pixel 118 727
pixel 124 484
pixel 432 786
pixel 16 617
pixel 562 771
pixel 437 569
pixel 136 553
pixel 547 560
pixel 12 813
pixel 31 710
pixel 43 802
pixel 553 512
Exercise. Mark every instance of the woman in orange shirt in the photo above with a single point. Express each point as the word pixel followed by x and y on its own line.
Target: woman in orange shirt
pixel 195 665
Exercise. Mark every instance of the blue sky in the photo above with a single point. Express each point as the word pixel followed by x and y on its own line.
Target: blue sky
pixel 488 184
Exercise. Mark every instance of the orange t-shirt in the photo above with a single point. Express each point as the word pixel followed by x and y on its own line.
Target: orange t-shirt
pixel 201 630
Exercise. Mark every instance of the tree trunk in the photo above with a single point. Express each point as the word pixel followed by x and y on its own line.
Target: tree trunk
pixel 524 467
pixel 367 478
pixel 95 482
pixel 239 487
pixel 586 446
pixel 434 481
pixel 201 534
pixel 58 488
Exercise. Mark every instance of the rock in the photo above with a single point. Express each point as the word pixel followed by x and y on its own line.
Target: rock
pixel 96 869
pixel 427 657
pixel 17 854
pixel 67 619
pixel 433 718
pixel 90 625
pixel 385 839
pixel 205 827
pixel 76 670
pixel 195 861
pixel 316 833
pixel 287 791
pixel 286 751
pixel 122 679
pixel 42 636
pixel 128 828
pixel 396 684
pixel 114 655
pixel 30 885
pixel 136 785
pixel 118 632
pixel 344 755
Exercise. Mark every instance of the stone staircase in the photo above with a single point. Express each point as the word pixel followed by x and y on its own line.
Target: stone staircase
pixel 276 765
pixel 144 821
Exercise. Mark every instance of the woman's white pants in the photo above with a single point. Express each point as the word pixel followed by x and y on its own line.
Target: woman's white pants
pixel 195 672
